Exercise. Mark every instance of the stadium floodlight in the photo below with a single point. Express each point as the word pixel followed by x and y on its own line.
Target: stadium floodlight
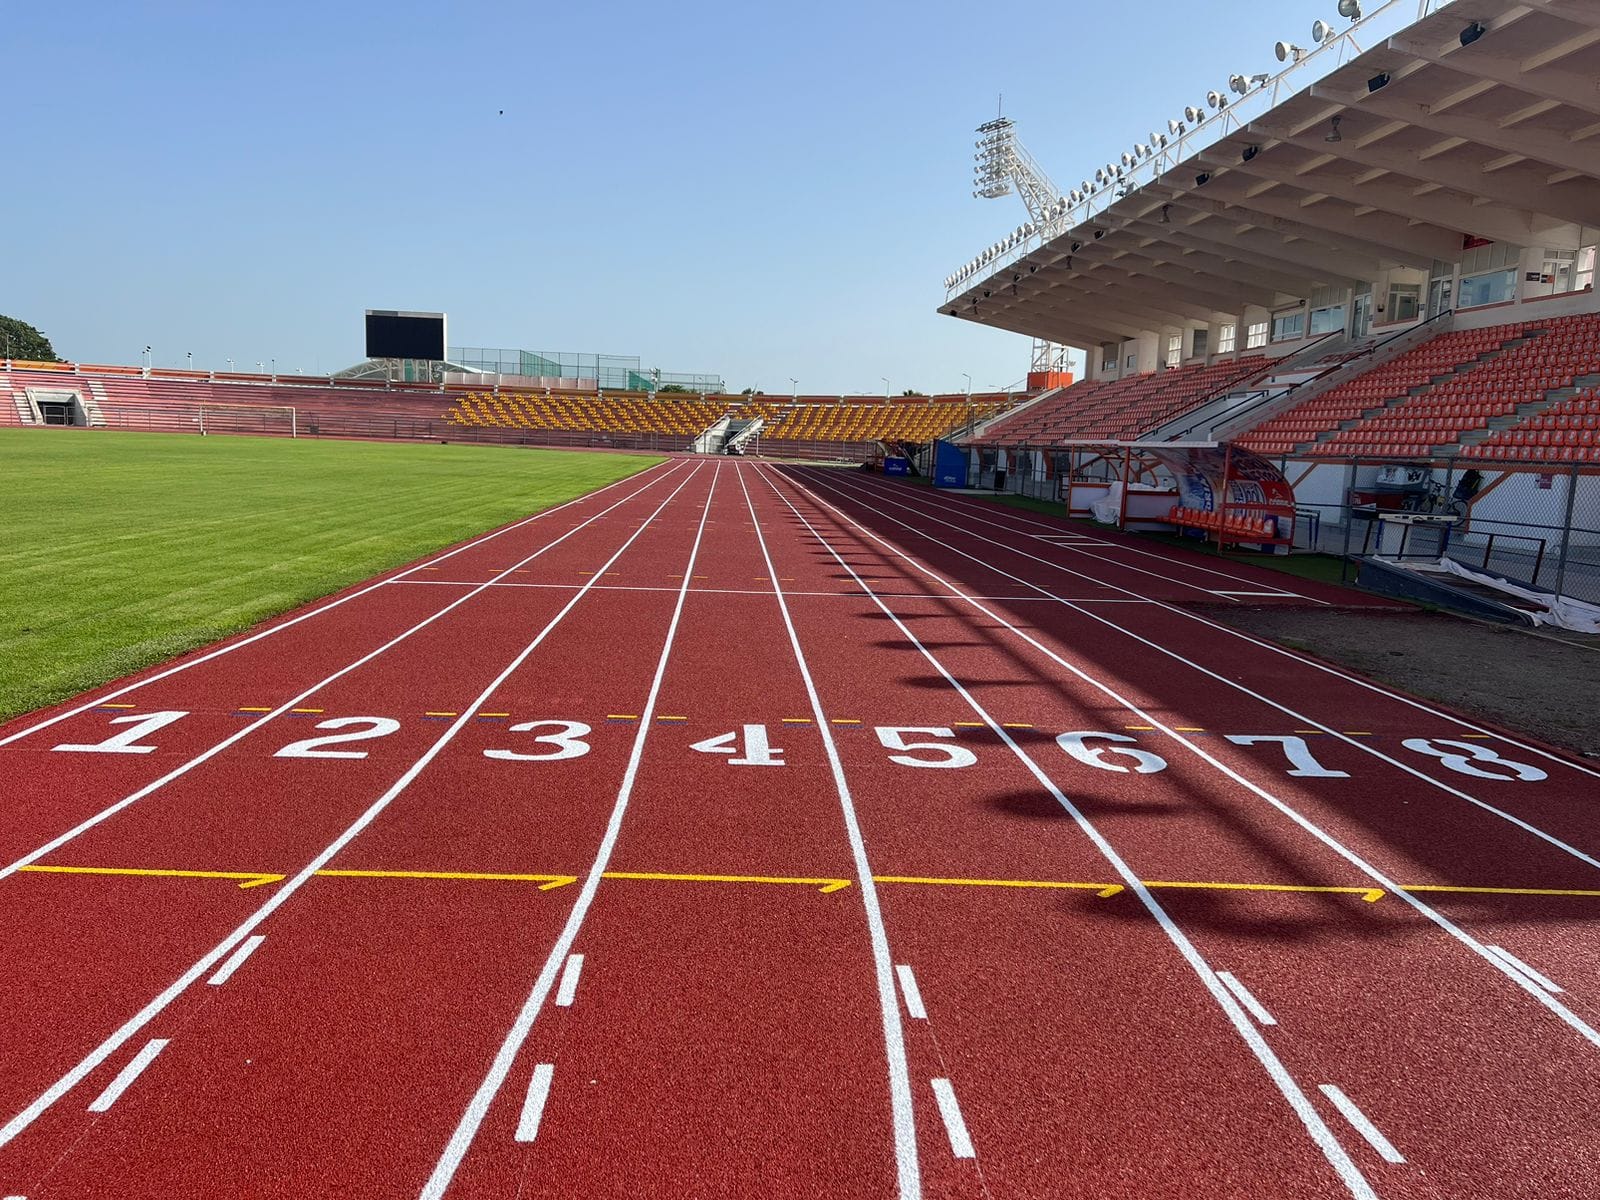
pixel 1284 51
pixel 1141 150
pixel 1177 128
pixel 1084 187
pixel 1194 115
pixel 1099 175
pixel 1321 31
pixel 1216 100
pixel 1238 83
pixel 1351 9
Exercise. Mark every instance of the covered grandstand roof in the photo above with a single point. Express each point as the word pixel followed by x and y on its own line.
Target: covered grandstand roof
pixel 1481 120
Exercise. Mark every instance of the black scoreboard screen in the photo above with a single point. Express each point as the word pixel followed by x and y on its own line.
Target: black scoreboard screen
pixel 417 335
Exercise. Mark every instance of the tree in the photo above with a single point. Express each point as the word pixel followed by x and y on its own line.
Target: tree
pixel 672 387
pixel 18 339
pixel 911 392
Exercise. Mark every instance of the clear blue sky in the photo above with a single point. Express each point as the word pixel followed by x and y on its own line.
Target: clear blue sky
pixel 765 192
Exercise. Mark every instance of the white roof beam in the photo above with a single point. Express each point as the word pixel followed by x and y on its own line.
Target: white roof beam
pixel 1529 77
pixel 1290 222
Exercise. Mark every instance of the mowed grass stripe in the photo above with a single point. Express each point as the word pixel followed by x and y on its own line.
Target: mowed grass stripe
pixel 118 550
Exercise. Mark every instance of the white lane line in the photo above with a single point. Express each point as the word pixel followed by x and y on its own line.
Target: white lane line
pixel 908 985
pixel 317 612
pixel 286 890
pixel 1560 1010
pixel 1244 996
pixel 1316 1128
pixel 1511 959
pixel 478 1107
pixel 1358 1121
pixel 1368 684
pixel 128 1074
pixel 225 972
pixel 705 591
pixel 569 980
pixel 533 1103
pixel 205 755
pixel 905 1126
pixel 1280 595
pixel 954 1124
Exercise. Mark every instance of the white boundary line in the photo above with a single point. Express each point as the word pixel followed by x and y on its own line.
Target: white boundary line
pixel 1505 955
pixel 533 1103
pixel 1359 1122
pixel 905 1127
pixel 238 735
pixel 568 991
pixel 705 591
pixel 1318 1130
pixel 1368 684
pixel 286 890
pixel 655 473
pixel 478 1107
pixel 1561 1011
pixel 1364 747
pixel 913 994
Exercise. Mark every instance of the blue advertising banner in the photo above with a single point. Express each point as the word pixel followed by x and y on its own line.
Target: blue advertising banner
pixel 896 466
pixel 949 465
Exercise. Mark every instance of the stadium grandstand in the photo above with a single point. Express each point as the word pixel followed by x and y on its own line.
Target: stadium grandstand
pixel 1374 263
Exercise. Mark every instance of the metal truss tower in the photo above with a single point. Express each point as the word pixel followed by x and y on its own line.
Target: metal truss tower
pixel 1004 166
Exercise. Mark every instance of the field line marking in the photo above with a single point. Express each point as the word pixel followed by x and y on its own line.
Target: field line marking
pixel 1560 1010
pixel 127 1075
pixel 1546 983
pixel 900 1100
pixel 316 612
pixel 249 879
pixel 954 1124
pixel 823 884
pixel 1359 1122
pixel 1243 994
pixel 236 960
pixel 913 994
pixel 568 989
pixel 45 1100
pixel 546 882
pixel 1316 1128
pixel 478 1107
pixel 206 755
pixel 533 1103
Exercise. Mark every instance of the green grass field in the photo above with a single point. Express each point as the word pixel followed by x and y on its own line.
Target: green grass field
pixel 118 550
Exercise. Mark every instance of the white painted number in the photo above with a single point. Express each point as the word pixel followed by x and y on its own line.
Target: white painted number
pixel 568 742
pixel 1462 763
pixel 893 737
pixel 1302 762
pixel 376 727
pixel 126 741
pixel 1143 762
pixel 758 752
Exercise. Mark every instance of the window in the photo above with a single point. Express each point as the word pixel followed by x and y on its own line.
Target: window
pixel 1108 357
pixel 1226 337
pixel 1326 320
pixel 1286 327
pixel 1405 302
pixel 1255 336
pixel 1201 337
pixel 1585 275
pixel 1133 361
pixel 1494 288
pixel 1174 349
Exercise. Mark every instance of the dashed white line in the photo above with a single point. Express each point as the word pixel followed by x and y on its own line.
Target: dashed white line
pixel 128 1074
pixel 236 960
pixel 1358 1121
pixel 1511 960
pixel 908 985
pixel 568 988
pixel 1242 994
pixel 954 1124
pixel 533 1106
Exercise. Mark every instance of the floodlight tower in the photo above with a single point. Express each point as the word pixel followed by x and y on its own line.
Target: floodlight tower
pixel 1004 166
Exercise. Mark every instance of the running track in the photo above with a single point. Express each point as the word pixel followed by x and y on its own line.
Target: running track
pixel 744 831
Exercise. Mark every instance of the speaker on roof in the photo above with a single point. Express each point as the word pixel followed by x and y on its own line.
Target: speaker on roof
pixel 1473 32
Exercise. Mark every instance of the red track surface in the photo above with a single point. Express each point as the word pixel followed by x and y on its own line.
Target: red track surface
pixel 1150 959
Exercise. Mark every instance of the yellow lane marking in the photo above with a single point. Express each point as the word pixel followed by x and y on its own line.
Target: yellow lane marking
pixel 1186 729
pixel 306 710
pixel 485 714
pixel 659 717
pixel 1141 728
pixel 844 721
pixel 826 885
pixel 546 882
pixel 970 725
pixel 1103 889
pixel 255 710
pixel 1310 731
pixel 1497 891
pixel 1370 895
pixel 114 706
pixel 1477 735
pixel 1358 733
pixel 441 714
pixel 249 879
pixel 796 721
pixel 622 716
pixel 1016 725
